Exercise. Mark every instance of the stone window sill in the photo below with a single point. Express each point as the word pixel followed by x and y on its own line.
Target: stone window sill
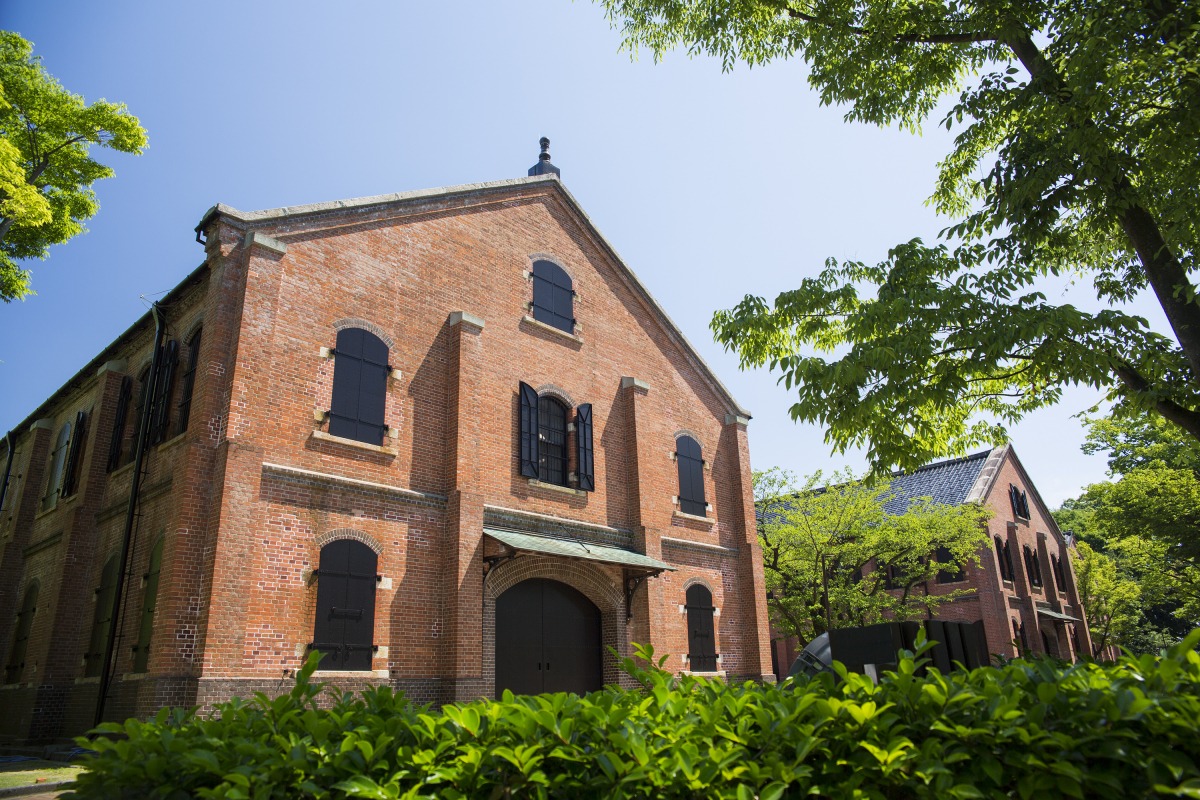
pixel 554 487
pixel 174 440
pixel 551 329
pixel 121 470
pixel 322 436
pixel 351 673
pixel 92 679
pixel 717 674
pixel 706 521
pixel 62 501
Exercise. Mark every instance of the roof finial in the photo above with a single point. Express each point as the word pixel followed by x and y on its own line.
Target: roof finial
pixel 543 166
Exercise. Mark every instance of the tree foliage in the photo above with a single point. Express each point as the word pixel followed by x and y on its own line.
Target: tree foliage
pixel 46 172
pixel 835 558
pixel 1078 142
pixel 1026 729
pixel 1139 530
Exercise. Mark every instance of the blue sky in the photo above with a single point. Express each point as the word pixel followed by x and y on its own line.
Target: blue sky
pixel 710 185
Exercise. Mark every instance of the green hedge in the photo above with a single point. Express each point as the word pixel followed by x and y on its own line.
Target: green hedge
pixel 1026 729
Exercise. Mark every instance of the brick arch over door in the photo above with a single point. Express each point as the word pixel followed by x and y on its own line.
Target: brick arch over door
pixel 580 575
pixel 350 533
pixel 366 325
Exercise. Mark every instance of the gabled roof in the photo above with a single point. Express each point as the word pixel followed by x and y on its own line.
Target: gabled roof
pixel 950 482
pixel 248 219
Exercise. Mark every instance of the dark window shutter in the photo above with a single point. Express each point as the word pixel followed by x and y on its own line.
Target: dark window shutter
pixel 344 630
pixel 585 456
pixel 1000 560
pixel 140 411
pixel 16 653
pixel 161 409
pixel 117 442
pixel 189 382
pixel 691 477
pixel 141 651
pixel 58 458
pixel 74 455
pixel 360 373
pixel 101 619
pixel 702 643
pixel 553 296
pixel 552 442
pixel 528 436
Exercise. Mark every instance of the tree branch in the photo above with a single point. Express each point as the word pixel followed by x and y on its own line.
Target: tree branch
pixel 907 38
pixel 1168 409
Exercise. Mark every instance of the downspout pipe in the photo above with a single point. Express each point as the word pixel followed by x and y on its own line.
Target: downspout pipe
pixel 135 485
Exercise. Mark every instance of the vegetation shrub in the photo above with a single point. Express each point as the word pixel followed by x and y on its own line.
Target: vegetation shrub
pixel 1024 729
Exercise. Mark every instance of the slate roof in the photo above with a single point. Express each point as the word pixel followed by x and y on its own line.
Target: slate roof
pixel 947 482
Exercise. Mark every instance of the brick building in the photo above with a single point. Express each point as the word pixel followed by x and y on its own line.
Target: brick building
pixel 444 437
pixel 1024 589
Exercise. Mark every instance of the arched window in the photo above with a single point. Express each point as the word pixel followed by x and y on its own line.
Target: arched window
pixel 702 643
pixel 116 444
pixel 16 653
pixel 54 475
pixel 553 296
pixel 691 476
pixel 544 441
pixel 552 441
pixel 189 381
pixel 344 631
pixel 360 375
pixel 102 614
pixel 164 388
pixel 70 480
pixel 139 413
pixel 950 571
pixel 1058 572
pixel 1004 559
pixel 1032 568
pixel 141 651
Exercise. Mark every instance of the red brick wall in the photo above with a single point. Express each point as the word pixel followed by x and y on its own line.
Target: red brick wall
pixel 241 537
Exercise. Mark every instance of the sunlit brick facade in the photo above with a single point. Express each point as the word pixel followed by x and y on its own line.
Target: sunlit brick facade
pixel 244 502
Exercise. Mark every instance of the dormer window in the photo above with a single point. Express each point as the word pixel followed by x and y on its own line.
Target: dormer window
pixel 553 296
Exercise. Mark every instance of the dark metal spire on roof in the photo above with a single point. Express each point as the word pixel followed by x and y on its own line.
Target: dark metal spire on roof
pixel 543 166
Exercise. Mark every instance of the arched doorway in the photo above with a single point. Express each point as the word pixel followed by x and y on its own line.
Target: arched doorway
pixel 548 639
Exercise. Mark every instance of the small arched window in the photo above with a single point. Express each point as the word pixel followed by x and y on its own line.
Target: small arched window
pixel 553 296
pixel 552 441
pixel 58 459
pixel 102 614
pixel 141 650
pixel 1032 568
pixel 702 643
pixel 116 445
pixel 164 389
pixel 360 373
pixel 690 462
pixel 1004 559
pixel 140 411
pixel 20 642
pixel 344 630
pixel 189 381
pixel 949 571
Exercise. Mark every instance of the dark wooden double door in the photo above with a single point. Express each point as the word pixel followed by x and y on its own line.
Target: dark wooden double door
pixel 548 639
